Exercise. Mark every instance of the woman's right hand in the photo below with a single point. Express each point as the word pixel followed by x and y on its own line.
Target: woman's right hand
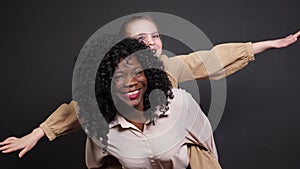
pixel 25 143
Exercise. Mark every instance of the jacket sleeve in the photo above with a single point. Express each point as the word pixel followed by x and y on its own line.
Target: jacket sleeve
pixel 221 61
pixel 62 121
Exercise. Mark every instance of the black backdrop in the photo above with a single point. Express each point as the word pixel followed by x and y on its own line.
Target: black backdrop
pixel 39 40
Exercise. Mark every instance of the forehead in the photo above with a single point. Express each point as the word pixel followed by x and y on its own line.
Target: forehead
pixel 129 62
pixel 140 27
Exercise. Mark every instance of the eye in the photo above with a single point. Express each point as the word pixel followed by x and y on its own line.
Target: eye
pixel 138 73
pixel 141 38
pixel 118 78
pixel 155 36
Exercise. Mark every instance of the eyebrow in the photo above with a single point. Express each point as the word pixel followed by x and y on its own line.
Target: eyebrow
pixel 135 68
pixel 145 33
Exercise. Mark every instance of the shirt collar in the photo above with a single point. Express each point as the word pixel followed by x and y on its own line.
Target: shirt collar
pixel 120 120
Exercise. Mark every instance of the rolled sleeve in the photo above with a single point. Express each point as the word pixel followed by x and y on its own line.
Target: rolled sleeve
pixel 62 121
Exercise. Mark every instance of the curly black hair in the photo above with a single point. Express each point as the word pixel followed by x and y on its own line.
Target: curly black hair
pixel 153 70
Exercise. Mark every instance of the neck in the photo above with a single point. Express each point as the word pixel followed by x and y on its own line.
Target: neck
pixel 134 115
pixel 140 126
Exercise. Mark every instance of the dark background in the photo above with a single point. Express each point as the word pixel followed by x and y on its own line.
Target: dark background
pixel 39 41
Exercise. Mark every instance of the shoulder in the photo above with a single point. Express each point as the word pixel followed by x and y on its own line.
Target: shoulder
pixel 184 99
pixel 181 97
pixel 178 92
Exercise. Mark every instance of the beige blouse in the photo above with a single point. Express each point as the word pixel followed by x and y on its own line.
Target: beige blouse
pixel 161 146
pixel 222 60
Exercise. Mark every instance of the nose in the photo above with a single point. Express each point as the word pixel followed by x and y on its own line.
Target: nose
pixel 149 40
pixel 130 81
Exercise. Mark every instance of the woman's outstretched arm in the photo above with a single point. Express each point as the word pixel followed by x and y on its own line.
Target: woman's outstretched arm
pixel 24 144
pixel 261 46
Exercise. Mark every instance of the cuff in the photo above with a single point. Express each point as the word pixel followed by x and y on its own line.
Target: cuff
pixel 48 132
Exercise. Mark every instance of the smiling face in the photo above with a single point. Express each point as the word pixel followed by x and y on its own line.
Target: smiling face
pixel 146 31
pixel 130 82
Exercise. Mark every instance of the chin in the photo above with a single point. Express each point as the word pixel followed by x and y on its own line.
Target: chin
pixel 134 104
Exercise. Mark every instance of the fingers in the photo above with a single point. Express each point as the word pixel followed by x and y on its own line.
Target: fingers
pixel 290 39
pixel 23 152
pixel 8 140
pixel 6 144
pixel 297 34
pixel 293 36
pixel 288 36
pixel 4 148
pixel 9 149
pixel 10 145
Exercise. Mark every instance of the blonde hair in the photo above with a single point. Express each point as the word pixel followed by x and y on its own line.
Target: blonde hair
pixel 124 28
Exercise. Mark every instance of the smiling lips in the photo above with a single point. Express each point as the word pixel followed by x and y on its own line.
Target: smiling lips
pixel 133 94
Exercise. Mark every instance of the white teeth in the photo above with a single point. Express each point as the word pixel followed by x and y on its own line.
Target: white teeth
pixel 132 93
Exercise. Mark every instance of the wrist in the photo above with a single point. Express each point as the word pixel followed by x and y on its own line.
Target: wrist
pixel 259 47
pixel 271 44
pixel 38 133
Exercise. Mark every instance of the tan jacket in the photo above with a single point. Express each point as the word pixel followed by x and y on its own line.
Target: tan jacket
pixel 222 60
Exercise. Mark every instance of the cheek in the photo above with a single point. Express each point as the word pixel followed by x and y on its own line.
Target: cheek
pixel 116 87
pixel 159 43
pixel 143 80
